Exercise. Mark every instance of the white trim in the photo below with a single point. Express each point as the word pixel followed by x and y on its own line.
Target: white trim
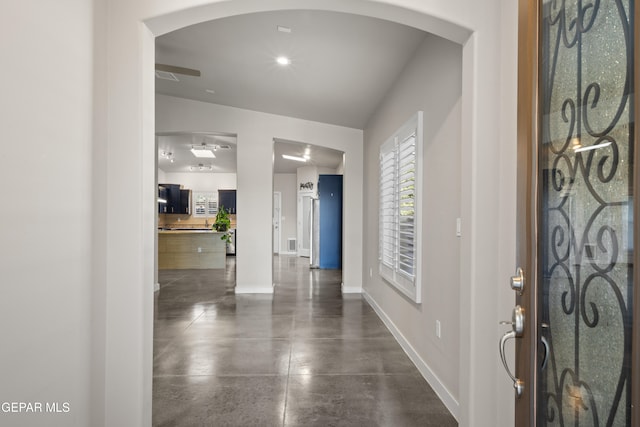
pixel 277 234
pixel 351 289
pixel 302 252
pixel 254 290
pixel 390 152
pixel 441 390
pixel 286 253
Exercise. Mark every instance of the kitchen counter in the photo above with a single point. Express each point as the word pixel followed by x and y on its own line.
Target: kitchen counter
pixel 190 249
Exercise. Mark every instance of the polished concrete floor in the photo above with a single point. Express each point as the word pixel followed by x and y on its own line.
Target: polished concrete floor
pixel 308 356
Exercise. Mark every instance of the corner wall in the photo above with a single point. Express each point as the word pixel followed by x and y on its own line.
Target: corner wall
pixel 52 339
pixel 431 82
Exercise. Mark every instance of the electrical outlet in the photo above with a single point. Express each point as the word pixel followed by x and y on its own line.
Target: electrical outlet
pixel 199 250
pixel 438 330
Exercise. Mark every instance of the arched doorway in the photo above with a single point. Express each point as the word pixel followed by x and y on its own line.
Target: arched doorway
pixel 476 182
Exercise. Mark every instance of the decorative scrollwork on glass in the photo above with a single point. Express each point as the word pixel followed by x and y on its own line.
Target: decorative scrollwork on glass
pixel 586 221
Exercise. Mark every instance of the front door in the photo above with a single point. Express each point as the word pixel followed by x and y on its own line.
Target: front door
pixel 574 324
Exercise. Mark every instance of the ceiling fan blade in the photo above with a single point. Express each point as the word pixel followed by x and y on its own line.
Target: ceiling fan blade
pixel 178 70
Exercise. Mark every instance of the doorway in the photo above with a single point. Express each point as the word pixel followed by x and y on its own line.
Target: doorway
pixel 305 222
pixel 459 34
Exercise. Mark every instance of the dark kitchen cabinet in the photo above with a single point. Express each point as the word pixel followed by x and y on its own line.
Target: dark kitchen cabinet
pixel 178 200
pixel 227 198
pixel 185 202
pixel 162 199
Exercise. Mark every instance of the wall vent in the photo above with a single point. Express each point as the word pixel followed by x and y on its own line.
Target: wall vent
pixel 291 244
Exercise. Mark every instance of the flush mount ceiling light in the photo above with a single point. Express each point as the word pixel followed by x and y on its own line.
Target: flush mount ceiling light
pixel 297 159
pixel 283 60
pixel 201 167
pixel 201 151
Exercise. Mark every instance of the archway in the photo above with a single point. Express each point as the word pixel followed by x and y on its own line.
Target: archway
pixel 476 129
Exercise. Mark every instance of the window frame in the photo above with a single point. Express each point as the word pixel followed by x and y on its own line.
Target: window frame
pixel 389 154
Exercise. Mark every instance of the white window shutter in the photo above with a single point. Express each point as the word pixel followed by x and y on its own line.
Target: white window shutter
pixel 399 215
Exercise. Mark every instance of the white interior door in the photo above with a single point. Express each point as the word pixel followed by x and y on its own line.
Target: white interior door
pixel 304 223
pixel 277 217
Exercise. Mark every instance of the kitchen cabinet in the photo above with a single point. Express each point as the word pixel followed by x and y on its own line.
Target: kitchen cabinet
pixel 162 199
pixel 185 202
pixel 178 200
pixel 227 198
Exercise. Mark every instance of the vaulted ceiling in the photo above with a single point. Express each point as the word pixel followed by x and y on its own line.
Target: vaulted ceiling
pixel 341 66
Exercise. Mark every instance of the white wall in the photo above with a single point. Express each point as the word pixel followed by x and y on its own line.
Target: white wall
pixel 200 181
pixel 432 83
pixel 256 132
pixel 51 342
pixel 285 183
pixel 162 176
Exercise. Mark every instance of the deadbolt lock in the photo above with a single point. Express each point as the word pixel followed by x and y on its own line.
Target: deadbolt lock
pixel 517 281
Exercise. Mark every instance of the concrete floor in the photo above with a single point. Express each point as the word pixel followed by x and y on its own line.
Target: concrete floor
pixel 308 356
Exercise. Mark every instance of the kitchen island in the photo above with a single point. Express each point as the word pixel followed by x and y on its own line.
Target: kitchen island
pixel 190 249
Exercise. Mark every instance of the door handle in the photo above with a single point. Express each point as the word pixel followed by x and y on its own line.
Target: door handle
pixel 518 384
pixel 545 344
pixel 517 329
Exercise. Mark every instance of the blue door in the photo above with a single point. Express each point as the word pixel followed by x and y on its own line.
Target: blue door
pixel 330 200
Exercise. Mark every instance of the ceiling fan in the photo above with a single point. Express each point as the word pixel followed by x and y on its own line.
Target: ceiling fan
pixel 173 69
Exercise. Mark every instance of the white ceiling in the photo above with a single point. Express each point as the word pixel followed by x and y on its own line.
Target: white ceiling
pixel 342 67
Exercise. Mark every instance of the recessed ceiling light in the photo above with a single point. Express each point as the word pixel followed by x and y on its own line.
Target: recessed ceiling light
pixel 283 60
pixel 284 29
pixel 297 159
pixel 211 91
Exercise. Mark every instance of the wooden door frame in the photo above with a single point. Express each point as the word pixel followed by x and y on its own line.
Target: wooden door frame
pixel 527 209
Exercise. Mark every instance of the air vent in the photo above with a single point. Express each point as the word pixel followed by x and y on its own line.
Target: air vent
pixel 223 147
pixel 291 244
pixel 164 75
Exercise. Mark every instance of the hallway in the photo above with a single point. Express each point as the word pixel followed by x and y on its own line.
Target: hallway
pixel 308 356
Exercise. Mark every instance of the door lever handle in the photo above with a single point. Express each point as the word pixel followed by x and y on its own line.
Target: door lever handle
pixel 545 344
pixel 518 384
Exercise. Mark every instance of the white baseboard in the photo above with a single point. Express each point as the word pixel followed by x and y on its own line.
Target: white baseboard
pixel 351 289
pixel 445 395
pixel 254 290
pixel 156 287
pixel 286 253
